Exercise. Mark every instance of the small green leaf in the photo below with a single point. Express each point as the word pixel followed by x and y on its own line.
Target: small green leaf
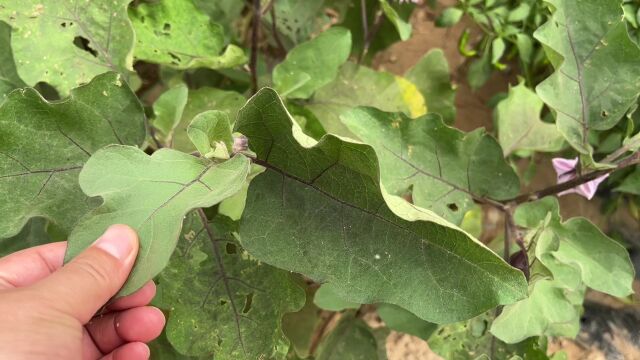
pixel 524 43
pixel 603 263
pixel 402 320
pixel 520 13
pixel 432 77
pixel 352 339
pixel 210 132
pixel 403 26
pixel 449 17
pixel 177 34
pixel 598 80
pixel 312 64
pixel 152 194
pixel 442 168
pixel 222 301
pixel 322 204
pixel 44 145
pixel 328 300
pixel 520 126
pixel 168 110
pixel 479 71
pixel 65 43
pixel 537 315
pixel 199 101
pixel 497 50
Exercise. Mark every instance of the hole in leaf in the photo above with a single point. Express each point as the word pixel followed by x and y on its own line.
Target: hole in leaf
pixel 223 303
pixel 452 207
pixel 176 59
pixel 604 113
pixel 64 24
pixel 82 43
pixel 166 27
pixel 231 248
pixel 247 303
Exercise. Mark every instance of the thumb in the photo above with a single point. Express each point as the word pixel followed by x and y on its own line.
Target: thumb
pixel 86 283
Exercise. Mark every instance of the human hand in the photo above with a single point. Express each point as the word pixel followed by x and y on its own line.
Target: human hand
pixel 48 311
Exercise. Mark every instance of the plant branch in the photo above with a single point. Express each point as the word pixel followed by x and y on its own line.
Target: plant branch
pixel 322 330
pixel 377 23
pixel 274 29
pixel 223 275
pixel 255 35
pixel 582 179
pixel 152 133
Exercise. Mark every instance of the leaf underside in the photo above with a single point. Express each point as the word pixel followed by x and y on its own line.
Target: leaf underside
pixel 152 194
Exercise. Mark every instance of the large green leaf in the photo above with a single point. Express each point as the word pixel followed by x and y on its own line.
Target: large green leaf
pixel 68 42
pixel 351 339
pixel 176 33
pixel 520 126
pixel 598 80
pixel 431 76
pixel 312 64
pixel 442 168
pixel 321 204
pixel 222 301
pixel 44 145
pixel 9 78
pixel 361 86
pixel 152 194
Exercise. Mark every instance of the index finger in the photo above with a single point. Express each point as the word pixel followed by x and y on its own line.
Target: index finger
pixel 28 266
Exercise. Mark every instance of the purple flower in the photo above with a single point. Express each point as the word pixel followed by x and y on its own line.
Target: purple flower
pixel 566 170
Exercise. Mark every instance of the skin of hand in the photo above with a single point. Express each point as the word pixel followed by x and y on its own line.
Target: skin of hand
pixel 48 311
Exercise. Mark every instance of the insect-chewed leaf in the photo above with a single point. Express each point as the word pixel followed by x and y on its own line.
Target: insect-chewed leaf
pixel 176 33
pixel 152 194
pixel 597 81
pixel 44 145
pixel 441 167
pixel 321 204
pixel 221 301
pixel 67 42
